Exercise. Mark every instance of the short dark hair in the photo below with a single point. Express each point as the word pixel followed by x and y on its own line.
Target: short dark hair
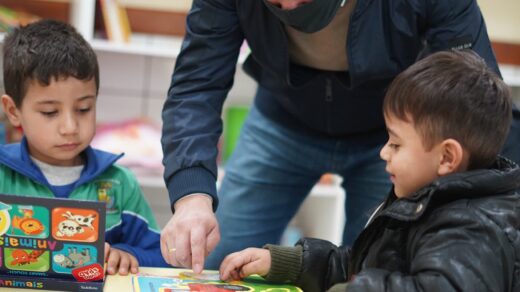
pixel 42 51
pixel 454 94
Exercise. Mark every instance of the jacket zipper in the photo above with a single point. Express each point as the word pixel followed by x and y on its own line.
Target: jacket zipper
pixel 373 215
pixel 328 90
pixel 328 100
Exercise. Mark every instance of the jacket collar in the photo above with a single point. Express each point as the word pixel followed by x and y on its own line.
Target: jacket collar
pixel 277 52
pixel 502 177
pixel 16 157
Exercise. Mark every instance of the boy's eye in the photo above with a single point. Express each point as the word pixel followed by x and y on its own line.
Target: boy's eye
pixel 393 146
pixel 49 113
pixel 84 110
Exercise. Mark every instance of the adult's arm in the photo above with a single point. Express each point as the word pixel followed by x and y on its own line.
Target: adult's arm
pixel 457 25
pixel 192 126
pixel 191 115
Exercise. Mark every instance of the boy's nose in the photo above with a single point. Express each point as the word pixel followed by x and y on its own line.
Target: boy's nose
pixel 69 125
pixel 384 153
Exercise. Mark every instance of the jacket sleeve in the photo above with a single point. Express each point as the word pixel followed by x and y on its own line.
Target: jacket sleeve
pixel 472 255
pixel 191 115
pixel 457 25
pixel 137 233
pixel 324 265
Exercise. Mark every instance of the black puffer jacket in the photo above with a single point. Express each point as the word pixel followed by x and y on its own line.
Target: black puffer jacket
pixel 461 233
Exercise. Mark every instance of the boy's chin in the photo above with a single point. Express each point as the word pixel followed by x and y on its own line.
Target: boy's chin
pixel 400 193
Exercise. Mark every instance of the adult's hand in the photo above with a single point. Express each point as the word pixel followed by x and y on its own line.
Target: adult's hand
pixel 191 234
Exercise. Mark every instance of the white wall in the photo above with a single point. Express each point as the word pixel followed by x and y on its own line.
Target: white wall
pixel 502 19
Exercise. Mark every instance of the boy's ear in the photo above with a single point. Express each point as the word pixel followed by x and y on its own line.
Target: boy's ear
pixel 452 157
pixel 10 110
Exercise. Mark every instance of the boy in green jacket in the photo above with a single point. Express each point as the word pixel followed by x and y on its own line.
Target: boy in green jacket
pixel 51 78
pixel 451 221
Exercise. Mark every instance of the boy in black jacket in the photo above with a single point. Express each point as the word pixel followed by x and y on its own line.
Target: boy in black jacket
pixel 452 219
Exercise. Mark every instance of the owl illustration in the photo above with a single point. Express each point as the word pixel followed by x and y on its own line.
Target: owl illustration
pixel 5 218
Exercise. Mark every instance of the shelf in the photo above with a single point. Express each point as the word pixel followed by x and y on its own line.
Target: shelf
pixel 151 46
pixel 170 46
pixel 145 45
pixel 511 74
pixel 141 44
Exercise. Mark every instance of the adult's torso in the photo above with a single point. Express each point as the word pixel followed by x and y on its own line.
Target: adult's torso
pixel 325 49
pixel 327 99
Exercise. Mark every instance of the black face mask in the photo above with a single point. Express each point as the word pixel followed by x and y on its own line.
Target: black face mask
pixel 309 17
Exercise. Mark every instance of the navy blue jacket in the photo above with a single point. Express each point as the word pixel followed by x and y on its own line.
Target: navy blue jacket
pixel 384 38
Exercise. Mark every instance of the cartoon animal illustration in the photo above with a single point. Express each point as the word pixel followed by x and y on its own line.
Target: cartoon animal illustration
pixel 35 254
pixel 5 218
pixel 21 257
pixel 27 224
pixel 73 259
pixel 69 228
pixel 85 221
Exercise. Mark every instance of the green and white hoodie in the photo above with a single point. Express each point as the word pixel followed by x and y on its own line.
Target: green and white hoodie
pixel 130 224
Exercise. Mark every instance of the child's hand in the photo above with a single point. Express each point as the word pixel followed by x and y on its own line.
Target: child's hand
pixel 107 250
pixel 118 259
pixel 241 264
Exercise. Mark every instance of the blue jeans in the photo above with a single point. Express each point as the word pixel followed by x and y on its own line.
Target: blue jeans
pixel 273 169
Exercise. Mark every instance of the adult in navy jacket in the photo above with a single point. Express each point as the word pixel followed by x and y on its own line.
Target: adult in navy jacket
pixel 322 67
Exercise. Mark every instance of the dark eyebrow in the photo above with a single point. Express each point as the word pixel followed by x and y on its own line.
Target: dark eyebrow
pixel 47 102
pixel 87 97
pixel 79 99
